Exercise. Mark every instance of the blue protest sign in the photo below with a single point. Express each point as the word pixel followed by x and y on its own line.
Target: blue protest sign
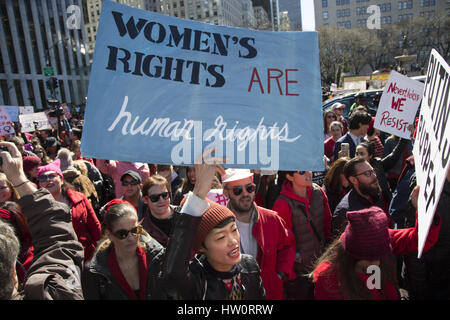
pixel 162 89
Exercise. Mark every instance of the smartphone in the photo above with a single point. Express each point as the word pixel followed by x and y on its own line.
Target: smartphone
pixel 345 148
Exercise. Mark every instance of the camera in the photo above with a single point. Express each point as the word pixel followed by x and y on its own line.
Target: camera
pixel 2 149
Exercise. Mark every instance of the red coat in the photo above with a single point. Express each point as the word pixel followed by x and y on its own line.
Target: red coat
pixel 85 222
pixel 276 251
pixel 402 241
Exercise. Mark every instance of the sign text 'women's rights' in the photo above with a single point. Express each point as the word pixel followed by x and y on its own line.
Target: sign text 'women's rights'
pixel 398 105
pixel 161 84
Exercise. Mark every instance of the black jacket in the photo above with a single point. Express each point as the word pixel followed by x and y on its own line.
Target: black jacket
pixel 99 284
pixel 382 166
pixel 352 201
pixel 183 278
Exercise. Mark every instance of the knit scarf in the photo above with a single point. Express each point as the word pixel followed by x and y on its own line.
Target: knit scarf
pixel 231 281
pixel 116 272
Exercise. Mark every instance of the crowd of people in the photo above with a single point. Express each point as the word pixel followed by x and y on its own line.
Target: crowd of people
pixel 73 227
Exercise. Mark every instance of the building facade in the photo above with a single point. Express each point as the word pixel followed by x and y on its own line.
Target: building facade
pixel 38 40
pixel 355 13
pixel 294 13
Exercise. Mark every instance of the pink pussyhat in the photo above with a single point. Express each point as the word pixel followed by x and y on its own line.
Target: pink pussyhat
pixel 54 166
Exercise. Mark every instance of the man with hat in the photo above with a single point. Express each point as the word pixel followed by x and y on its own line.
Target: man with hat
pixel 263 233
pixel 360 100
pixel 132 185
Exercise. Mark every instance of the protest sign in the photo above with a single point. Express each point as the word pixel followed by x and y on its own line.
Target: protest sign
pixel 432 145
pixel 162 89
pixel 13 112
pixel 5 122
pixel 28 121
pixel 398 105
pixel 26 110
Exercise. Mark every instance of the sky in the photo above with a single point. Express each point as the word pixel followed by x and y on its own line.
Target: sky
pixel 308 17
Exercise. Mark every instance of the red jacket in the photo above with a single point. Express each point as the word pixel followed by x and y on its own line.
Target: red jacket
pixel 402 241
pixel 282 207
pixel 85 222
pixel 276 251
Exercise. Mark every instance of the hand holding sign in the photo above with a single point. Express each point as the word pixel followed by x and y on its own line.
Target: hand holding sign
pixel 432 145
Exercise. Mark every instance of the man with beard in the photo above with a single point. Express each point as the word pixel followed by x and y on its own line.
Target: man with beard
pixel 263 234
pixel 365 193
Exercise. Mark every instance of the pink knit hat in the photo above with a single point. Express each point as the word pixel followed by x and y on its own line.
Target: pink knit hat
pixel 54 166
pixel 366 236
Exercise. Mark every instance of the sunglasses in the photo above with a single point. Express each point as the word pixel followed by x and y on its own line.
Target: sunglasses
pixel 367 173
pixel 128 183
pixel 123 234
pixel 156 197
pixel 238 190
pixel 44 177
pixel 301 172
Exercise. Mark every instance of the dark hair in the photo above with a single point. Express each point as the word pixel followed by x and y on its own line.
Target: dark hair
pixel 20 225
pixel 357 118
pixel 350 166
pixel 77 132
pixel 369 148
pixel 114 214
pixel 350 284
pixel 221 224
pixel 332 181
pixel 163 167
pixel 186 185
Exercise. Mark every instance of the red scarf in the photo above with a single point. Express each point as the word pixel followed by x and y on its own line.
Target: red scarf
pixel 114 267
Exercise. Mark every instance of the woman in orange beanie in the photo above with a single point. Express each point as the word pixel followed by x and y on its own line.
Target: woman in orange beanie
pixel 219 271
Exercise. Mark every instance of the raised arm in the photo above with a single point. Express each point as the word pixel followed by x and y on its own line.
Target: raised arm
pixel 58 256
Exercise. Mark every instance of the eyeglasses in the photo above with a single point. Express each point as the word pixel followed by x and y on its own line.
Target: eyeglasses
pixel 156 197
pixel 331 117
pixel 301 172
pixel 238 190
pixel 128 183
pixel 367 173
pixel 123 234
pixel 44 177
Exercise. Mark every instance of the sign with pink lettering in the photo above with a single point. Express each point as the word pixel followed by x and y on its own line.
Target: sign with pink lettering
pixel 398 105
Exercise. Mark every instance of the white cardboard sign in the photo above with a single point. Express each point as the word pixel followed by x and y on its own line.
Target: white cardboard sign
pixel 28 121
pixel 398 105
pixel 432 145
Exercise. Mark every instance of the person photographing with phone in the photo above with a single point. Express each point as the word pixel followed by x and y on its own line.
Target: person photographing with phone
pixel 358 125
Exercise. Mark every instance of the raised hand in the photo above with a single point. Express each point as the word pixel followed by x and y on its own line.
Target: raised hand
pixel 205 169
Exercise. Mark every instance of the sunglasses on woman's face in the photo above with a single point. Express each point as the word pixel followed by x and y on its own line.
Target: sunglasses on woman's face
pixel 123 234
pixel 156 197
pixel 238 190
pixel 44 177
pixel 132 183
